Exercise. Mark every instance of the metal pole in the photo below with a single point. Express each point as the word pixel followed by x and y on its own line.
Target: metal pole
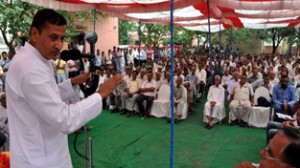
pixel 85 144
pixel 92 46
pixel 220 41
pixel 172 83
pixel 140 43
pixel 210 46
pixel 91 152
pixel 231 40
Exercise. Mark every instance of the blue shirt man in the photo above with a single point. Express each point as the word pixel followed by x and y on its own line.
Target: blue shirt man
pixel 284 97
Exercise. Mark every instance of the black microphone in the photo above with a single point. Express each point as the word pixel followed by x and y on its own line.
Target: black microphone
pixel 72 54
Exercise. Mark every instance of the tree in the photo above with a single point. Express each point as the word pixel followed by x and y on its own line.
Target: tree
pixel 276 35
pixel 124 28
pixel 16 18
pixel 239 35
pixel 152 34
pixel 296 40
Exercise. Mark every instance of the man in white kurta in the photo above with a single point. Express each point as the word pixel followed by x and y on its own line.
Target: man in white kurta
pixel 4 122
pixel 241 102
pixel 215 101
pixel 39 120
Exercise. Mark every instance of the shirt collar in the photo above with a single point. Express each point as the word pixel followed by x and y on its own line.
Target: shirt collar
pixel 35 52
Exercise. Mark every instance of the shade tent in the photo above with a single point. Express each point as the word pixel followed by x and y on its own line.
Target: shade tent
pixel 192 14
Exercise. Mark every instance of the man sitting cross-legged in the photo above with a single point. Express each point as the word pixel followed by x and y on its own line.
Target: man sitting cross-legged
pixel 133 86
pixel 241 100
pixel 215 101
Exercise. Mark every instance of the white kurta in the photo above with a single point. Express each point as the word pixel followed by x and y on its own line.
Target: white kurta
pixel 240 107
pixel 39 120
pixel 216 94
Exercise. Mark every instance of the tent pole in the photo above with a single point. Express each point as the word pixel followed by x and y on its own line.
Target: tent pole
pixel 93 47
pixel 172 83
pixel 140 43
pixel 231 40
pixel 210 45
pixel 220 41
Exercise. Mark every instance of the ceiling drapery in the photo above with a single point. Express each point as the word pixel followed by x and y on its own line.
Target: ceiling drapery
pixel 192 14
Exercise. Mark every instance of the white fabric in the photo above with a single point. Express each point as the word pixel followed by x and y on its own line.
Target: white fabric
pixel 182 107
pixel 216 94
pixel 191 14
pixel 202 76
pixel 151 84
pixel 161 105
pixel 3 118
pixel 259 117
pixel 4 128
pixel 39 120
pixel 239 110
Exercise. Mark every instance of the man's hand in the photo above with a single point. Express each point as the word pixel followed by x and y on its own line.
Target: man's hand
pixel 285 107
pixel 287 124
pixel 212 104
pixel 108 86
pixel 80 78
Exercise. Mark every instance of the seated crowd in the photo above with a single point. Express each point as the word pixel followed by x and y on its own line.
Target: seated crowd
pixel 231 82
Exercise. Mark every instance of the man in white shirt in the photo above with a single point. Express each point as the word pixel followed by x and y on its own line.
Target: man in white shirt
pixel 241 102
pixel 180 98
pixel 39 119
pixel 202 78
pixel 148 93
pixel 226 78
pixel 4 122
pixel 215 100
pixel 98 58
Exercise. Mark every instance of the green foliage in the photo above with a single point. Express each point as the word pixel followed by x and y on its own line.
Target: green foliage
pixel 277 35
pixel 152 34
pixel 240 35
pixel 124 28
pixel 17 17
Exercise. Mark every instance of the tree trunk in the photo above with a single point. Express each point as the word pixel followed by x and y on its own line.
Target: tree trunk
pixel 11 49
pixel 273 41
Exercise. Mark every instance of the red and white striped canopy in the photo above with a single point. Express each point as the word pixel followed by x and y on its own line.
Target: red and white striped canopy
pixel 192 14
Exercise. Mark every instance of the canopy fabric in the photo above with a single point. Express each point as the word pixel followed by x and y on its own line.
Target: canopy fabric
pixel 192 14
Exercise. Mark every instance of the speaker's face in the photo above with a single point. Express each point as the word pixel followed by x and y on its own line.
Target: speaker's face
pixel 48 41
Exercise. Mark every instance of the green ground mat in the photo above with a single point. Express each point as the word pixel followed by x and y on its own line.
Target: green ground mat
pixel 120 142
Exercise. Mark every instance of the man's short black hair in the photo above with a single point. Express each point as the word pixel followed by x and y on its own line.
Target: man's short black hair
pixel 47 16
pixel 292 151
pixel 284 76
pixel 4 52
pixel 291 154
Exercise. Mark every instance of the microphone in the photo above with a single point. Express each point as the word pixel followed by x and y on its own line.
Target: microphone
pixel 72 54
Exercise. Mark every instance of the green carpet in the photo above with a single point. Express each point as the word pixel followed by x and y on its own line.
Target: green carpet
pixel 120 142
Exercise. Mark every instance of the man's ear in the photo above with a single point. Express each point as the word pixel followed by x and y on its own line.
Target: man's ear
pixel 34 34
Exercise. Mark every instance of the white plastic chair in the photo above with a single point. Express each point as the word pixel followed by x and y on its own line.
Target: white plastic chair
pixel 259 117
pixel 161 105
